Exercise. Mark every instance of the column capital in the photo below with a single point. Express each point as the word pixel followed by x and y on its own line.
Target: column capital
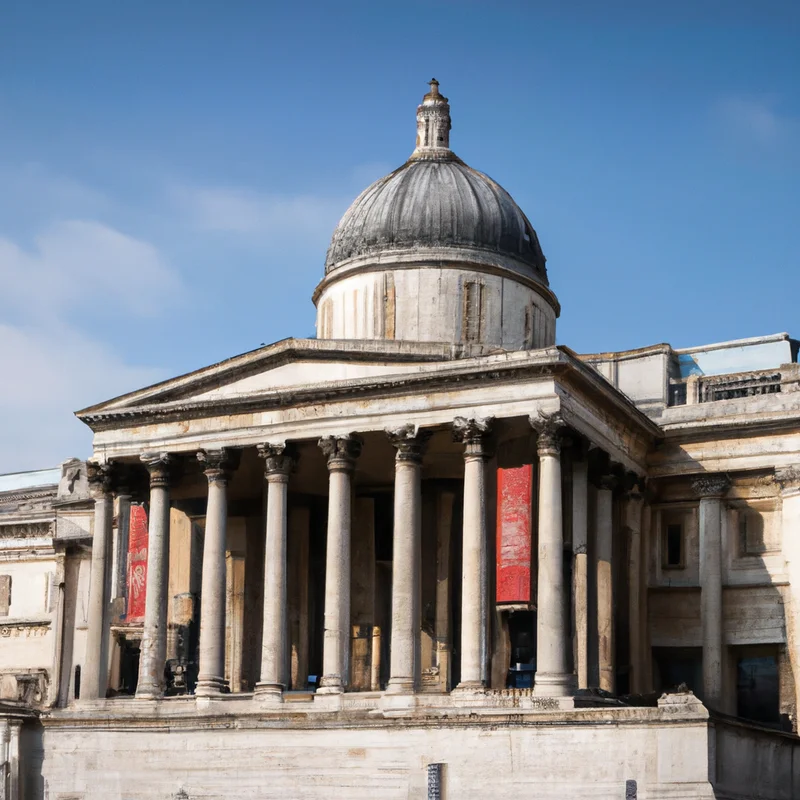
pixel 788 478
pixel 219 464
pixel 279 460
pixel 410 442
pixel 549 428
pixel 341 451
pixel 100 475
pixel 710 485
pixel 473 432
pixel 158 465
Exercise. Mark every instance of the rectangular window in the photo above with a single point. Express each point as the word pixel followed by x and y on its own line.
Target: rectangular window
pixel 678 665
pixel 757 685
pixel 5 595
pixel 672 545
pixel 471 318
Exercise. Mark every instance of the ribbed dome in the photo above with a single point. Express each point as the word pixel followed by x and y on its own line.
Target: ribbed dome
pixel 436 201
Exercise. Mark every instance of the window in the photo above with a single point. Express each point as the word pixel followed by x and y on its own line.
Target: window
pixel 678 665
pixel 673 542
pixel 757 686
pixel 5 595
pixel 751 532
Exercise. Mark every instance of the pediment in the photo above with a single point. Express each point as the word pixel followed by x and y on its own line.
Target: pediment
pixel 291 364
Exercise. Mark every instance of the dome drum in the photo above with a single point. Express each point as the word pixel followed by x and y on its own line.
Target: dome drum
pixel 434 303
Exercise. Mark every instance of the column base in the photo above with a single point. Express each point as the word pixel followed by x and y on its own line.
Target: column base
pixel 470 687
pixel 400 686
pixel 553 684
pixel 149 691
pixel 210 687
pixel 268 692
pixel 330 684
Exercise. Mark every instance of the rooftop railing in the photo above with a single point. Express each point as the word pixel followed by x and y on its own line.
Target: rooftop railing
pixel 709 389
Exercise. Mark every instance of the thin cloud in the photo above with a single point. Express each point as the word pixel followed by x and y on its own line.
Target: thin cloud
pixel 266 216
pixel 756 122
pixel 51 365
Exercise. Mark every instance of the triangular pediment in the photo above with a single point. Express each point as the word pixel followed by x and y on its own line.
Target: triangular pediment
pixel 289 364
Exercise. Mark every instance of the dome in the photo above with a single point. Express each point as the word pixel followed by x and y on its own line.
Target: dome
pixel 436 252
pixel 433 203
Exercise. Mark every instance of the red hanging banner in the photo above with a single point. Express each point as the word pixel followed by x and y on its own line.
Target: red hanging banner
pixel 137 564
pixel 514 534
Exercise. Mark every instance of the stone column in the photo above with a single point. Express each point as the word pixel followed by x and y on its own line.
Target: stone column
pixel 95 670
pixel 278 463
pixel 473 433
pixel 342 452
pixel 636 588
pixel 788 479
pixel 410 443
pixel 552 678
pixel 14 787
pixel 605 582
pixel 580 569
pixel 5 739
pixel 211 669
pixel 152 659
pixel 119 587
pixel 711 489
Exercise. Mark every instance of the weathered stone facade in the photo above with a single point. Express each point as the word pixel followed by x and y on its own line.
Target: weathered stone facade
pixel 428 554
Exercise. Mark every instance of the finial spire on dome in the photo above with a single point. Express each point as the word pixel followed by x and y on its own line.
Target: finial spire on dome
pixel 433 125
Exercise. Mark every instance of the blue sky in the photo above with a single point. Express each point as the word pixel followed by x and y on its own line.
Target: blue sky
pixel 172 172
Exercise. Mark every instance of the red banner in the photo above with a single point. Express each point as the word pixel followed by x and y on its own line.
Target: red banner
pixel 137 564
pixel 514 534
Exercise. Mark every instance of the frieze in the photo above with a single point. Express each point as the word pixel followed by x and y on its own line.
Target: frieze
pixel 26 530
pixel 17 629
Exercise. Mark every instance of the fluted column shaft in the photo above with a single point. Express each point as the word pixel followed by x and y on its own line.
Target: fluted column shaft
pixel 473 433
pixel 341 453
pixel 278 463
pixel 152 659
pixel 406 559
pixel 711 489
pixel 552 678
pixel 95 671
pixel 211 669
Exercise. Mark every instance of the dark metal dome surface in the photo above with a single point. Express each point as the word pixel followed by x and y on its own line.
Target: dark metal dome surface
pixel 432 203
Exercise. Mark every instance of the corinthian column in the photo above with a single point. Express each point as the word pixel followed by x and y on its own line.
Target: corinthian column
pixel 96 660
pixel 342 452
pixel 407 556
pixel 552 678
pixel 154 634
pixel 473 433
pixel 278 463
pixel 711 489
pixel 604 553
pixel 211 673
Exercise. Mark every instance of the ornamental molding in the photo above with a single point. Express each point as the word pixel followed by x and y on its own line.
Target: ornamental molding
pixel 549 428
pixel 788 478
pixel 26 530
pixel 341 451
pixel 279 459
pixel 158 465
pixel 23 628
pixel 711 486
pixel 219 464
pixel 410 441
pixel 473 432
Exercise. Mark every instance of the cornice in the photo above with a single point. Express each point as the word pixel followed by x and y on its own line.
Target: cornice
pixel 29 494
pixel 287 351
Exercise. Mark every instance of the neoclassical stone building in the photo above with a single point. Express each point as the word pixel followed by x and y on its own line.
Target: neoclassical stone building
pixel 429 553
